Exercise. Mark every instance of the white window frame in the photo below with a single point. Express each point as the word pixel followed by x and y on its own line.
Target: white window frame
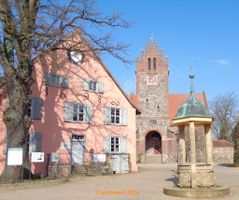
pixel 115 144
pixel 54 80
pixel 93 85
pixel 115 115
pixel 77 110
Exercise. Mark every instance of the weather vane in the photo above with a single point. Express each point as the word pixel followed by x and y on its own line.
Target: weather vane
pixel 191 76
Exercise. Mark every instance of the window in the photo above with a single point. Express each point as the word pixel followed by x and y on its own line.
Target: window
pixel 29 112
pixel 93 85
pixel 149 63
pixel 114 144
pixel 77 138
pixel 154 63
pixel 115 116
pixel 77 112
pixel 34 142
pixel 56 80
pixel 35 107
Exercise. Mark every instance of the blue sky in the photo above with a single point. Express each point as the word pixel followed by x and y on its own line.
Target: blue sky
pixel 204 34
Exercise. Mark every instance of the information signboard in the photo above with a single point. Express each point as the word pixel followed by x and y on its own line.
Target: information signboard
pixel 101 157
pixel 14 156
pixel 37 157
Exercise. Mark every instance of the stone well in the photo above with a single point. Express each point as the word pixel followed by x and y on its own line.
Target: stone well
pixel 196 177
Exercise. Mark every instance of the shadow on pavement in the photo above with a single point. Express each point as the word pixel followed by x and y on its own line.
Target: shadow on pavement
pixel 173 180
pixel 225 165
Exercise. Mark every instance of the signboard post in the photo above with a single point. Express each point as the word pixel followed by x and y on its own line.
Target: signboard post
pixel 36 157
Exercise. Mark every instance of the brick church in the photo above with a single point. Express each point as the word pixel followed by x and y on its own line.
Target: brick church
pixel 156 135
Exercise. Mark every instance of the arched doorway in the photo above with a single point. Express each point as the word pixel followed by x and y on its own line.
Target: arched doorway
pixel 153 143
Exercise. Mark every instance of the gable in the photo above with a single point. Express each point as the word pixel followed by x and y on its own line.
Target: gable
pixel 58 62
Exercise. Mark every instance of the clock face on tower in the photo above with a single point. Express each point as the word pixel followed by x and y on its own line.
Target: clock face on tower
pixel 152 80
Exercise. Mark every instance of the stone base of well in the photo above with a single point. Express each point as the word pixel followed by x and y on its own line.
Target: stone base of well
pixel 217 191
pixel 205 176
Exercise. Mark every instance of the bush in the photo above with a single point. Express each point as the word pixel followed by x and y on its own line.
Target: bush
pixel 235 138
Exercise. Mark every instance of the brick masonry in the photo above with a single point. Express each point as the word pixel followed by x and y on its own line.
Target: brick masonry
pixel 222 152
pixel 152 96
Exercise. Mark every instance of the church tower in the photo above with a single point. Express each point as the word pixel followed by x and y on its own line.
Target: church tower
pixel 153 141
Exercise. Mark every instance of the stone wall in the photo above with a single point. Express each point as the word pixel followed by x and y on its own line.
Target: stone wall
pixel 200 144
pixel 55 170
pixel 223 155
pixel 144 125
pixel 153 99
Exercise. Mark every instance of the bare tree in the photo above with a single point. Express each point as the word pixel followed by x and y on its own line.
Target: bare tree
pixel 30 27
pixel 225 112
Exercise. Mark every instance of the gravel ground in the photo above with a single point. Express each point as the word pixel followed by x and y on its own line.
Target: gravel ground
pixel 147 184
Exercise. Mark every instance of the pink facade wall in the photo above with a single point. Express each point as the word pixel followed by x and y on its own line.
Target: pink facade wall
pixel 52 126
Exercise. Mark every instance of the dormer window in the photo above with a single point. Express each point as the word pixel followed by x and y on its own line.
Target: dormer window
pixel 149 63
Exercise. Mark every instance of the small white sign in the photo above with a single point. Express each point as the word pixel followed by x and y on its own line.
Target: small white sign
pixel 101 157
pixel 37 157
pixel 14 156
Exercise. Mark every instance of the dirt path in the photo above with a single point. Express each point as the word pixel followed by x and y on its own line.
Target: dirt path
pixel 147 184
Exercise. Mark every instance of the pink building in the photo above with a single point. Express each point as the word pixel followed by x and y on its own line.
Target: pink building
pixel 79 110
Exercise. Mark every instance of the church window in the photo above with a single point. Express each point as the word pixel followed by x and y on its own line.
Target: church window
pixel 154 63
pixel 149 63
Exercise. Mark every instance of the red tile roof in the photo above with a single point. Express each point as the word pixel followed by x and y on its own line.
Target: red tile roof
pixel 175 100
pixel 222 143
pixel 134 99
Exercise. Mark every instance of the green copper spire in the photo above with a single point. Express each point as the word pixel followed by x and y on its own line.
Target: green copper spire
pixel 191 76
pixel 192 107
